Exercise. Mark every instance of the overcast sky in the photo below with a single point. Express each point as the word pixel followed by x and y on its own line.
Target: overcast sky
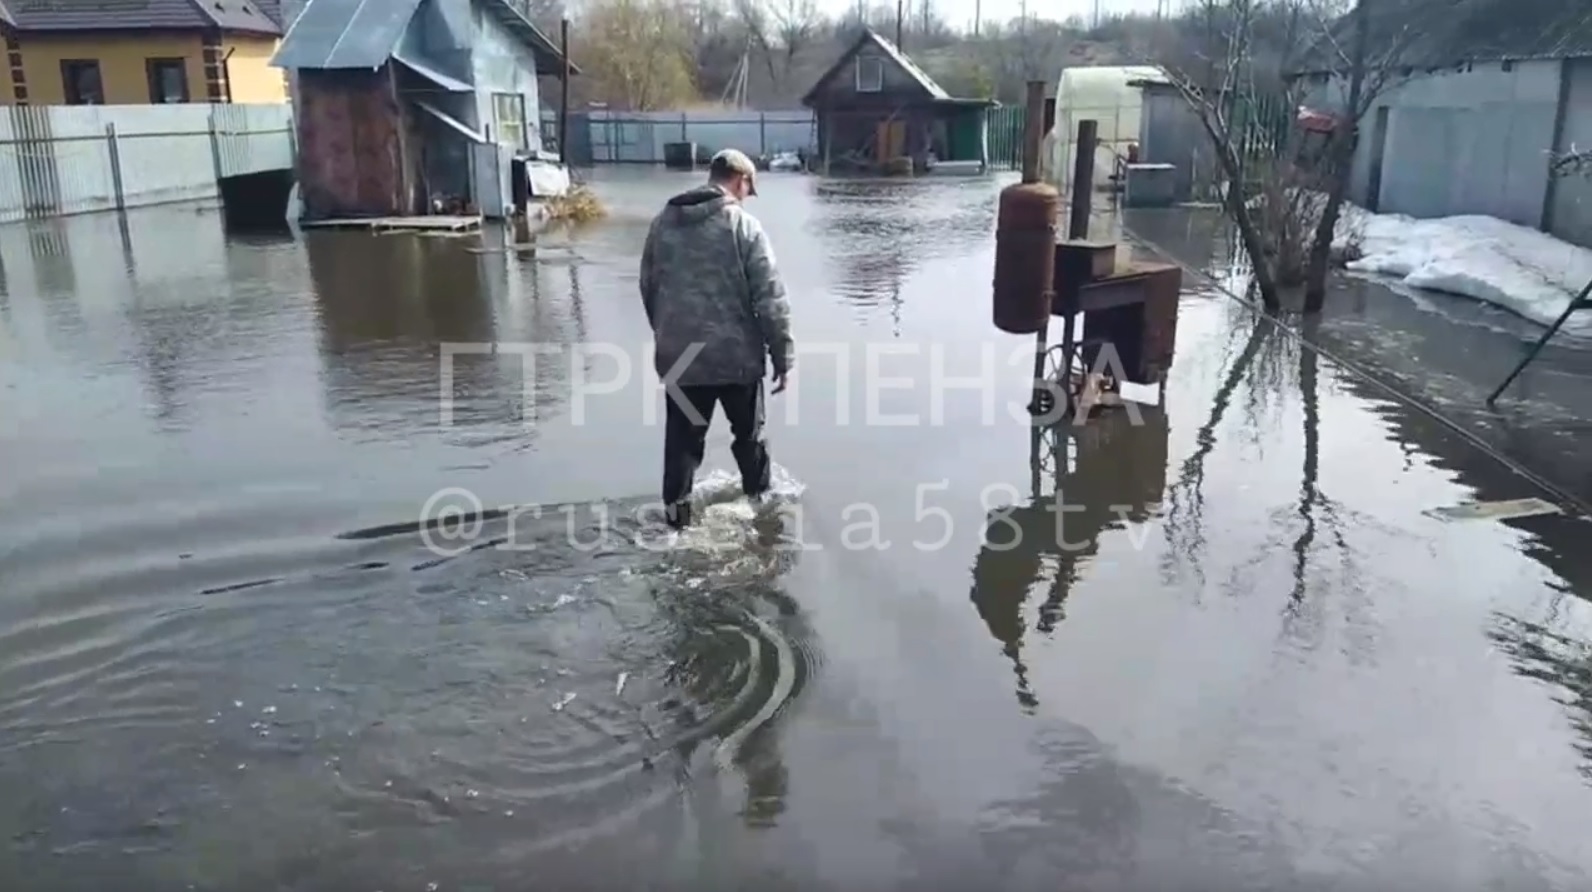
pixel 960 13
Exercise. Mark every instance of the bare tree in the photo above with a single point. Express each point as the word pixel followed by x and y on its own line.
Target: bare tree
pixel 754 17
pixel 1232 62
pixel 796 24
pixel 1369 71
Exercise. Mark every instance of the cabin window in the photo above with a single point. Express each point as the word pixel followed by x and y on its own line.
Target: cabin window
pixel 508 110
pixel 168 80
pixel 870 75
pixel 80 81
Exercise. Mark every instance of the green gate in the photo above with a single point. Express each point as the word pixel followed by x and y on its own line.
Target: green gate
pixel 1006 136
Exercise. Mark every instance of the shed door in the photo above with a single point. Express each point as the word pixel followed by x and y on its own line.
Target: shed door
pixel 892 139
pixel 490 181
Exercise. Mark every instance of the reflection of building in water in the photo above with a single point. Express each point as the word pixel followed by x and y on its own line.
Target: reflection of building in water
pixel 1114 475
pixel 386 305
pixel 867 236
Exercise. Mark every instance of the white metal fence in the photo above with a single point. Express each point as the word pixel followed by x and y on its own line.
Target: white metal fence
pixel 640 136
pixel 58 160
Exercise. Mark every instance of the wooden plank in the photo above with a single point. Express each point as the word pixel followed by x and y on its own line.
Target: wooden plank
pixel 1505 509
pixel 440 222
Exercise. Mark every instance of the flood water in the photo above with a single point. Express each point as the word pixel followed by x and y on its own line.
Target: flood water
pixel 239 651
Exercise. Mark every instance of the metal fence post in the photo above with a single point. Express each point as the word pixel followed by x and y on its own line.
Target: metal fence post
pixel 762 133
pixel 114 150
pixel 215 150
pixel 685 132
pixel 292 142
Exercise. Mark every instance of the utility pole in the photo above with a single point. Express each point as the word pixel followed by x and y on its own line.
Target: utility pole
pixel 563 93
pixel 1022 40
pixel 978 15
pixel 901 12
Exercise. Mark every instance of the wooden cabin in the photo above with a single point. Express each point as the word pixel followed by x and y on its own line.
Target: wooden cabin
pixel 876 109
pixel 427 106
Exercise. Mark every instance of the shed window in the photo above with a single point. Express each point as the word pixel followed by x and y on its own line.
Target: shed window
pixel 508 110
pixel 80 81
pixel 168 80
pixel 870 75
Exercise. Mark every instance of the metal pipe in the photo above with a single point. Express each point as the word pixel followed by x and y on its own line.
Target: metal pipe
pixel 1082 181
pixel 1033 130
pixel 1582 301
pixel 563 93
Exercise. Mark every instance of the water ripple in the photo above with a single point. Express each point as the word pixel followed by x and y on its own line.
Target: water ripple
pixel 556 691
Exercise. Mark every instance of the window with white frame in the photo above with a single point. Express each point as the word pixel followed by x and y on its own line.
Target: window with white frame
pixel 508 112
pixel 870 74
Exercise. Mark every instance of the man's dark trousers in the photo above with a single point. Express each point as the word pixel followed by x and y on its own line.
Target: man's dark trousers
pixel 685 437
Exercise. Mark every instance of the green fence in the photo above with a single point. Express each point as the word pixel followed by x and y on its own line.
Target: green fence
pixel 1006 136
pixel 1261 126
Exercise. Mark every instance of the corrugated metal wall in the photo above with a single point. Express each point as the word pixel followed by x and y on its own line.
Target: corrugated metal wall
pixel 1570 208
pixel 58 160
pixel 1170 133
pixel 1465 142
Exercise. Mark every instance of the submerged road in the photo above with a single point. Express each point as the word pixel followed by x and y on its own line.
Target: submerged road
pixel 239 651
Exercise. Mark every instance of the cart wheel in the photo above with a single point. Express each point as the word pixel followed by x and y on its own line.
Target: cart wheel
pixel 1051 399
pixel 1043 402
pixel 1048 446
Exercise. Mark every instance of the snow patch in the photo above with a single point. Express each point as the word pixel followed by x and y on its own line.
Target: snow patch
pixel 1527 272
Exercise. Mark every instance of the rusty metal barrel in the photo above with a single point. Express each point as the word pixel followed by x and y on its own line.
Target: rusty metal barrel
pixel 1025 235
pixel 1025 257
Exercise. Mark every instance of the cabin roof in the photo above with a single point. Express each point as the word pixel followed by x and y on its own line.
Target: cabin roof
pixel 1440 33
pixel 142 15
pixel 343 34
pixel 935 92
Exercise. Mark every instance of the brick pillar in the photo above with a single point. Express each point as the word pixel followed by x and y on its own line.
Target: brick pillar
pixel 19 77
pixel 217 89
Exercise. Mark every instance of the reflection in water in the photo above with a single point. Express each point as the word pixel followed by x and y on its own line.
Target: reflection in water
pixel 539 697
pixel 715 601
pixel 389 306
pixel 1311 500
pixel 50 252
pixel 386 305
pixel 877 232
pixel 1107 474
pixel 1558 660
pixel 396 289
pixel 1184 526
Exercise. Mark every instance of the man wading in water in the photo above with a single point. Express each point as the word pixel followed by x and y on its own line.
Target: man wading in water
pixel 717 308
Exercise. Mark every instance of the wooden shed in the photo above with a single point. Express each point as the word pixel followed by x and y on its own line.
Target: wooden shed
pixel 875 107
pixel 410 107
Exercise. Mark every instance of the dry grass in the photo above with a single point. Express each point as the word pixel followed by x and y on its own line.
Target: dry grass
pixel 579 205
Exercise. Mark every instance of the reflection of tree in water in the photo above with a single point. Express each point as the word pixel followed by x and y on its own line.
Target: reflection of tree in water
pixel 1555 659
pixel 1270 365
pixel 1115 476
pixel 1311 500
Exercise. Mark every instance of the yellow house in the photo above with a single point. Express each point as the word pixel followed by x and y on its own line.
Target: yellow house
pixel 61 52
